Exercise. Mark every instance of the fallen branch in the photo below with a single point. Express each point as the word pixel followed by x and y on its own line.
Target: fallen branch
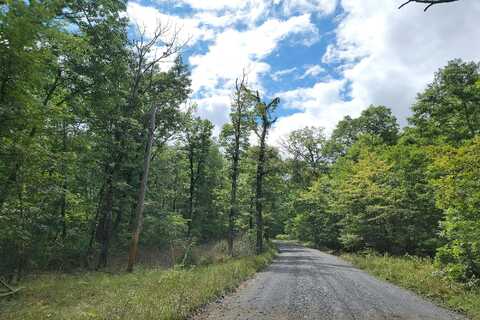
pixel 10 289
pixel 5 294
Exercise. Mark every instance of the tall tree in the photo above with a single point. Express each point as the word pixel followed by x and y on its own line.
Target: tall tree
pixel 197 141
pixel 457 181
pixel 234 138
pixel 307 148
pixel 145 78
pixel 448 109
pixel 264 120
pixel 375 120
pixel 107 72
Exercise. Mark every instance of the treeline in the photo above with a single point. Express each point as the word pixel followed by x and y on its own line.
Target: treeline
pixel 100 148
pixel 415 191
pixel 101 153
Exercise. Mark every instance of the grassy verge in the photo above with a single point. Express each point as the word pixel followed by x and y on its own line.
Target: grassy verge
pixel 419 275
pixel 145 294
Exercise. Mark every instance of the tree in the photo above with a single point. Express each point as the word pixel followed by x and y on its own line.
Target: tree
pixel 197 142
pixel 456 177
pixel 234 138
pixel 384 198
pixel 145 71
pixel 366 200
pixel 263 122
pixel 307 148
pixel 375 120
pixel 448 108
pixel 315 221
pixel 26 92
pixel 106 88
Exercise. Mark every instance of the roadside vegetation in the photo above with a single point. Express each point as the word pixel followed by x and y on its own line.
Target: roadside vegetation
pixel 148 293
pixel 421 276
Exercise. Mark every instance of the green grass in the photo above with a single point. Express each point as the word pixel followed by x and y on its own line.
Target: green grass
pixel 144 294
pixel 420 276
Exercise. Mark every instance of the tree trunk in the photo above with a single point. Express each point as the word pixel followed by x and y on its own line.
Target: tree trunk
pixel 259 191
pixel 191 195
pixel 233 195
pixel 233 209
pixel 63 200
pixel 105 225
pixel 141 195
pixel 252 213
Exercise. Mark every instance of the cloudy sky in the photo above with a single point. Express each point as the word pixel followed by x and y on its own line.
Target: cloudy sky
pixel 324 58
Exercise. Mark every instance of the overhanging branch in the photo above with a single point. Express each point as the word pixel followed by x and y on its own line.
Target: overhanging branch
pixel 429 3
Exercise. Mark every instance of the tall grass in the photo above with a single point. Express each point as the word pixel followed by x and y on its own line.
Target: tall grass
pixel 144 294
pixel 421 276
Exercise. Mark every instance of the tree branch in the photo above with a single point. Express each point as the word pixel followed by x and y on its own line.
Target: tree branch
pixel 429 3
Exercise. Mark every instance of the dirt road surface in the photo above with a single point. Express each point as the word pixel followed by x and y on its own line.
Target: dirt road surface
pixel 305 283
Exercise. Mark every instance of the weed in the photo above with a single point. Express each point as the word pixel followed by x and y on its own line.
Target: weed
pixel 148 293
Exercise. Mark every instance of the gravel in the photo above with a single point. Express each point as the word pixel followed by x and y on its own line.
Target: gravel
pixel 305 283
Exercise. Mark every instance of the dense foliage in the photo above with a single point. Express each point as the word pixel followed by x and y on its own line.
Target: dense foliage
pixel 88 112
pixel 99 149
pixel 415 191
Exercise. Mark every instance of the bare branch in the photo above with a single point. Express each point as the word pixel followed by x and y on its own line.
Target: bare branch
pixel 429 3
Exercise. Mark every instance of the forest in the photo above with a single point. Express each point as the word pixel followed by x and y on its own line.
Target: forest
pixel 103 157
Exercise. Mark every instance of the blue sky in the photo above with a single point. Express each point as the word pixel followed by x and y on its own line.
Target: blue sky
pixel 325 59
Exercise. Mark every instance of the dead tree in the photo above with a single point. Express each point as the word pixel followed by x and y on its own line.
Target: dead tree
pixel 146 64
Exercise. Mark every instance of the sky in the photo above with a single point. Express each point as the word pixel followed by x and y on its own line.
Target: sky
pixel 325 59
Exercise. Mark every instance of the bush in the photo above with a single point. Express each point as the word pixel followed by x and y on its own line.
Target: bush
pixel 282 237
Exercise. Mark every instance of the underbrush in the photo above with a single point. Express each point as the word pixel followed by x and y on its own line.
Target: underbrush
pixel 420 275
pixel 185 253
pixel 148 293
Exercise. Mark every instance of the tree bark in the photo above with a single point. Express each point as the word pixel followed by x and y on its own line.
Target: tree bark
pixel 63 201
pixel 233 195
pixel 191 194
pixel 141 195
pixel 259 190
pixel 104 227
pixel 233 206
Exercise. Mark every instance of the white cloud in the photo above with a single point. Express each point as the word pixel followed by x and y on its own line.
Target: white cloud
pixel 229 12
pixel 277 75
pixel 260 7
pixel 312 98
pixel 387 56
pixel 149 18
pixel 323 7
pixel 215 107
pixel 235 50
pixel 214 72
pixel 312 71
pixel 396 52
pixel 216 4
pixel 384 55
pixel 320 105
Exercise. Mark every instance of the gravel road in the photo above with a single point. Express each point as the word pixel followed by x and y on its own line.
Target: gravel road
pixel 304 283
